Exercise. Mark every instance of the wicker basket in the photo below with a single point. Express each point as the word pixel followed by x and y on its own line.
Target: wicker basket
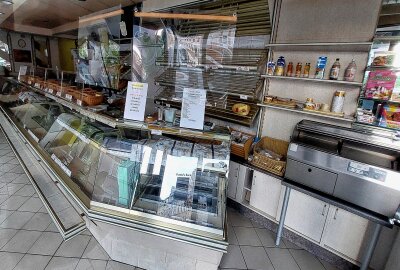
pixel 273 166
pixel 242 150
pixel 91 99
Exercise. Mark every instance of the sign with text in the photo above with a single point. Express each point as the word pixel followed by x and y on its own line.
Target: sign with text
pixel 193 108
pixel 135 104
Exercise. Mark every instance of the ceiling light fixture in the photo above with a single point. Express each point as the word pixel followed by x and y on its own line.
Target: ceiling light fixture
pixel 7 2
pixel 1 13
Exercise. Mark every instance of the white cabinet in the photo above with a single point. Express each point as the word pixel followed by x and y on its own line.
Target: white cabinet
pixel 345 233
pixel 265 193
pixel 306 215
pixel 233 179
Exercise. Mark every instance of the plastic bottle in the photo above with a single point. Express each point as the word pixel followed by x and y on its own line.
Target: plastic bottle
pixel 350 73
pixel 306 71
pixel 280 66
pixel 298 70
pixel 289 71
pixel 335 70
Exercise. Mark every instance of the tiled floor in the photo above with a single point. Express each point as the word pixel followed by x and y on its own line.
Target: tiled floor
pixel 253 247
pixel 30 240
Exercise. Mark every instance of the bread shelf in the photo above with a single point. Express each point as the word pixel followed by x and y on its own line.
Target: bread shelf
pixel 324 46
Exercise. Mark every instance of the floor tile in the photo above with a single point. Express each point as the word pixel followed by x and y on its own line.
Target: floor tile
pixel 268 238
pixel 282 259
pixel 73 247
pixel 60 263
pixel 31 205
pixel 18 169
pixel 14 202
pixel 236 219
pixel 12 188
pixel 42 210
pixel 6 235
pixel 306 260
pixel 47 244
pixel 9 260
pixel 4 214
pixel 52 228
pixel 233 259
pixel 95 251
pixel 22 241
pixel 26 191
pixel 86 232
pixel 87 264
pixel 232 239
pixel 21 179
pixel 29 262
pixel 113 265
pixel 39 222
pixel 256 258
pixel 17 220
pixel 247 236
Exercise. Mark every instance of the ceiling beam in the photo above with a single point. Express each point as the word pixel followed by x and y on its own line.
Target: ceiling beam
pixel 65 28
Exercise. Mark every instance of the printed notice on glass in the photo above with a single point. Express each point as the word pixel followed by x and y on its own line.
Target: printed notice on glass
pixel 22 70
pixel 193 108
pixel 135 104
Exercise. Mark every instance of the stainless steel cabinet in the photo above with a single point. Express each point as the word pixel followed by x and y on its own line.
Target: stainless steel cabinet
pixel 306 215
pixel 265 193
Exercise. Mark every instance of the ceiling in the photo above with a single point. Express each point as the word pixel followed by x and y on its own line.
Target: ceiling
pixel 46 15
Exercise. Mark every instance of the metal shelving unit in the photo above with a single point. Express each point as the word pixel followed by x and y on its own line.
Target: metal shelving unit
pixel 356 84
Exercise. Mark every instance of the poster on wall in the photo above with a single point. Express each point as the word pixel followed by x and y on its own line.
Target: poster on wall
pixel 22 56
pixel 193 108
pixel 135 103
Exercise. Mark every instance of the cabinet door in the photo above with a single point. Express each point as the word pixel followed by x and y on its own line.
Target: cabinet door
pixel 306 215
pixel 233 179
pixel 265 193
pixel 345 233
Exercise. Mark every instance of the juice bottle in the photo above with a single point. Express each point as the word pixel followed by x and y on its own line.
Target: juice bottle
pixel 306 71
pixel 289 71
pixel 335 69
pixel 280 66
pixel 298 70
pixel 350 72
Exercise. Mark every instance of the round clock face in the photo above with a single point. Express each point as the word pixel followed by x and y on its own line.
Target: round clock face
pixel 21 43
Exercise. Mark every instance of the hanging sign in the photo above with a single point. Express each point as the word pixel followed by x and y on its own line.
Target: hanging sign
pixel 193 108
pixel 135 104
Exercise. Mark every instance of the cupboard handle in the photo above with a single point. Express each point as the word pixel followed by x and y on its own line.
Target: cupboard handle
pixel 335 215
pixel 323 210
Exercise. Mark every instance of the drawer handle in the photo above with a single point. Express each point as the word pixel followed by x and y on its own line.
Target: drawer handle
pixel 309 170
pixel 335 216
pixel 323 210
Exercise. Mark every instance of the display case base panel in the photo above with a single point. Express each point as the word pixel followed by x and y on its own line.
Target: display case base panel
pixel 150 251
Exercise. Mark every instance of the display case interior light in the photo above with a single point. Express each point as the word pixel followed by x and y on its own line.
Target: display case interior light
pixel 7 2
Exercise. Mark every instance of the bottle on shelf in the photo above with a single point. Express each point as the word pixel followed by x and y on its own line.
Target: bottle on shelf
pixel 350 72
pixel 335 69
pixel 320 68
pixel 298 70
pixel 306 71
pixel 289 71
pixel 270 68
pixel 280 66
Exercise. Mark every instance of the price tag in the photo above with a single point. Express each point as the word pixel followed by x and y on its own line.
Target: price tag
pixel 243 69
pixel 62 166
pixel 37 85
pixel 168 105
pixel 51 91
pixel 58 94
pixel 156 132
pixel 29 82
pixel 136 98
pixel 243 97
pixel 68 96
pixel 79 102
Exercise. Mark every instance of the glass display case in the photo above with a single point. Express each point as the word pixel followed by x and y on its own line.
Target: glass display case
pixel 127 171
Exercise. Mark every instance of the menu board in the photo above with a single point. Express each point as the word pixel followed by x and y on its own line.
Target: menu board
pixel 135 104
pixel 193 108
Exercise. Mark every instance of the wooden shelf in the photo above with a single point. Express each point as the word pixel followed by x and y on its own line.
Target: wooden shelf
pixel 356 84
pixel 300 111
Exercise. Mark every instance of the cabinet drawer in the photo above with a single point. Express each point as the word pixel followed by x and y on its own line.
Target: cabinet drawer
pixel 311 176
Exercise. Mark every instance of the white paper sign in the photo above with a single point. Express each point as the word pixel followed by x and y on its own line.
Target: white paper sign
pixel 22 70
pixel 135 104
pixel 193 108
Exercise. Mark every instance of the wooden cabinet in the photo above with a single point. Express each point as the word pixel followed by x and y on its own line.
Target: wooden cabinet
pixel 233 179
pixel 265 193
pixel 345 233
pixel 306 215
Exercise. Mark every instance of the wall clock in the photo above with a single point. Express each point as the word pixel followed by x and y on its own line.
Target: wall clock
pixel 21 43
